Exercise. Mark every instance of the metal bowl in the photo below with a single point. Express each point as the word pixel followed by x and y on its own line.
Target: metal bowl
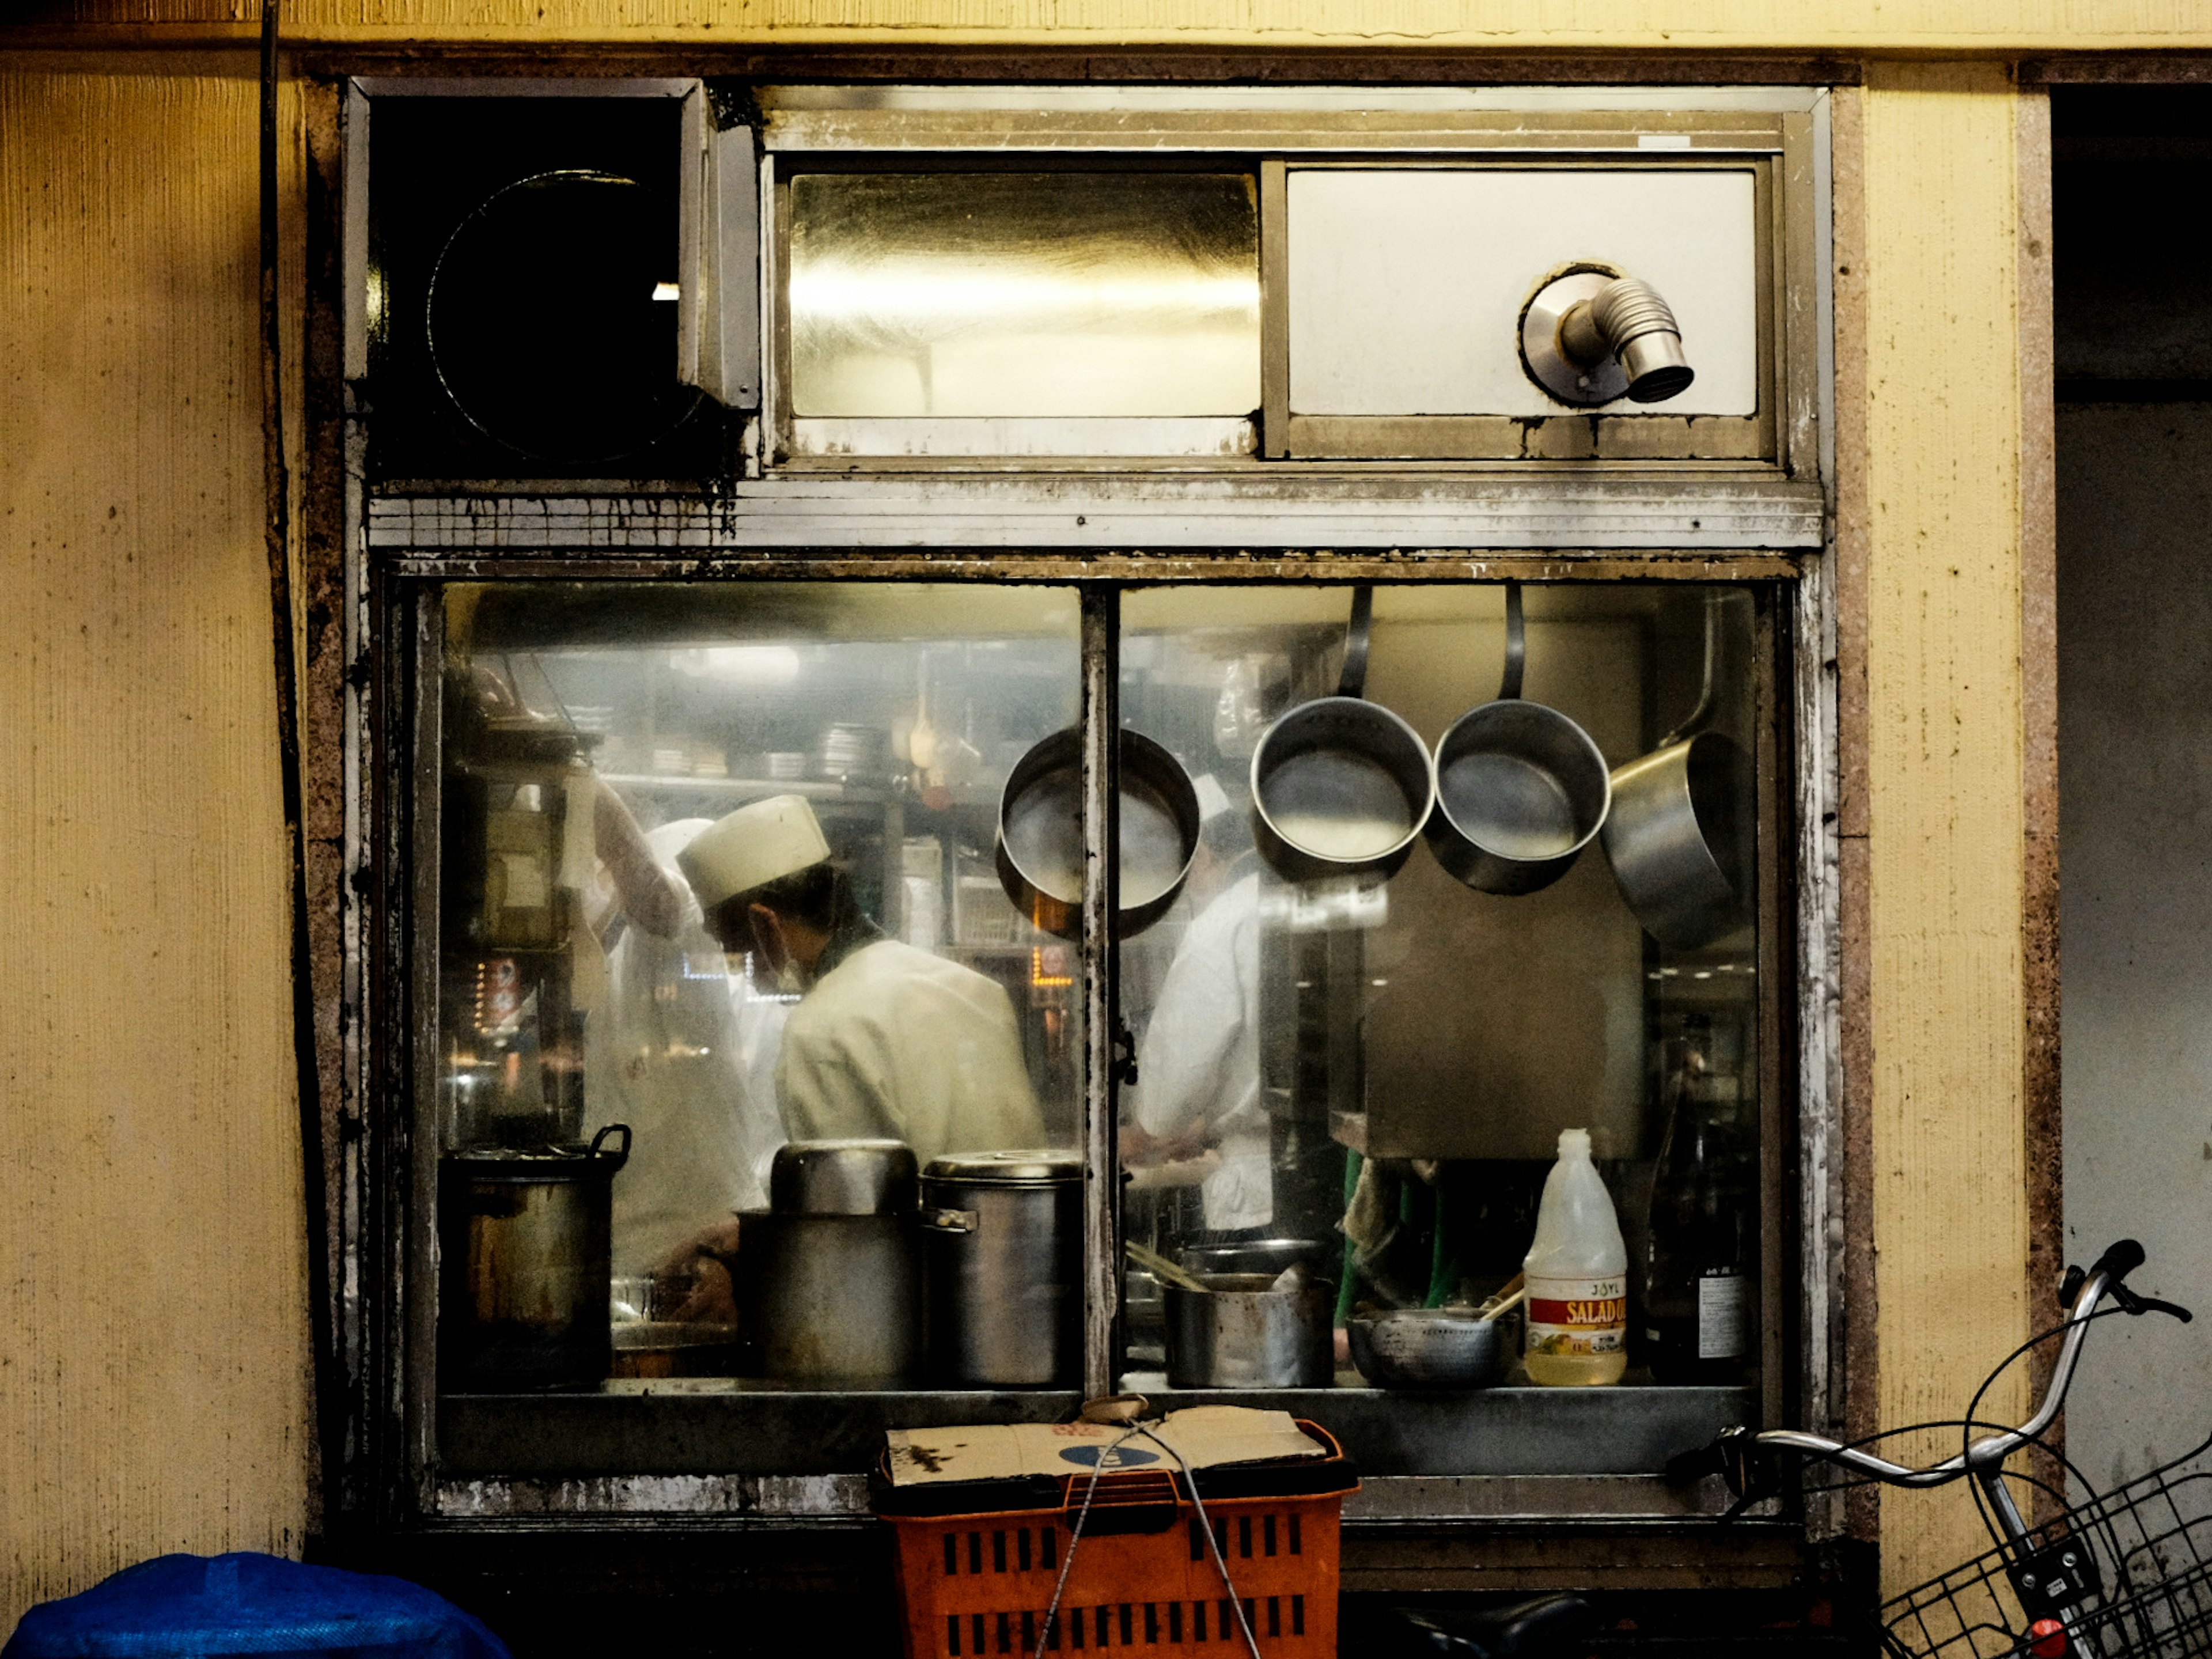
pixel 1428 1348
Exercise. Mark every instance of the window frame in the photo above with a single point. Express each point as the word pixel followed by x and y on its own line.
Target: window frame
pixel 1673 520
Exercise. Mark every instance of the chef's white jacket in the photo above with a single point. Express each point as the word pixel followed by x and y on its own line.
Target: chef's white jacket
pixel 1201 1057
pixel 666 1052
pixel 896 1042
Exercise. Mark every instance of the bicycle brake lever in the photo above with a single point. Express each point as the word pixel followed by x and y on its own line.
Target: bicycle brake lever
pixel 2136 1306
pixel 2070 1286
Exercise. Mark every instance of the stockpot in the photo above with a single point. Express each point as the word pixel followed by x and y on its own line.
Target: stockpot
pixel 1520 789
pixel 523 1244
pixel 1680 837
pixel 828 1278
pixel 1040 845
pixel 1340 787
pixel 1002 1265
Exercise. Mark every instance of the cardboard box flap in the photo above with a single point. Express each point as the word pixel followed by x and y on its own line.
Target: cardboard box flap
pixel 1208 1436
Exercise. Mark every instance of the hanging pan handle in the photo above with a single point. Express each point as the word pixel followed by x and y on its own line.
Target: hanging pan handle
pixel 1354 682
pixel 1697 717
pixel 1517 645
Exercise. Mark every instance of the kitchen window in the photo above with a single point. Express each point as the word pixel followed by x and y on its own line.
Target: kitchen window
pixel 1354 996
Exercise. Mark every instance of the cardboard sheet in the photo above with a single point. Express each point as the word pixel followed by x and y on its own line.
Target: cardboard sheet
pixel 1206 1436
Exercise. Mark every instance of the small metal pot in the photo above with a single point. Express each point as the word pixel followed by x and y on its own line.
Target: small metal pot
pixel 842 1177
pixel 1520 789
pixel 1002 1259
pixel 1040 846
pixel 1241 1332
pixel 1340 787
pixel 1680 834
pixel 523 1244
pixel 1263 1256
pixel 1428 1348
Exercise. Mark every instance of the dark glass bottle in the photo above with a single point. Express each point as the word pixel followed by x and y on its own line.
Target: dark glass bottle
pixel 1700 1283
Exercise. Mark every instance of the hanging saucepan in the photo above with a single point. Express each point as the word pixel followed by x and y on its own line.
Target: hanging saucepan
pixel 1680 837
pixel 1040 851
pixel 1521 789
pixel 1340 785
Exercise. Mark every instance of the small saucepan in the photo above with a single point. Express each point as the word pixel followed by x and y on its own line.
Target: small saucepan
pixel 1340 787
pixel 1521 789
pixel 1040 850
pixel 1680 834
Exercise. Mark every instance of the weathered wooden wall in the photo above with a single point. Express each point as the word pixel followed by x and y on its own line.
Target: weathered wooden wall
pixel 152 1334
pixel 1947 25
pixel 1943 763
pixel 152 1362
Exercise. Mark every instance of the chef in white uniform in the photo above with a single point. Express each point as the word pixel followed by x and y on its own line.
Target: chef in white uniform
pixel 669 1057
pixel 888 1040
pixel 1198 1068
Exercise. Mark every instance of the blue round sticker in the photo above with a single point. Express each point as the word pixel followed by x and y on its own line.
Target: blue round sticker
pixel 1124 1457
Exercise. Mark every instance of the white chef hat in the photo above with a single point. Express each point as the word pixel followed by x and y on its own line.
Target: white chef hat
pixel 758 843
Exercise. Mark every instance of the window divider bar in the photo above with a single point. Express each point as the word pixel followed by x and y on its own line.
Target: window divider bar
pixel 1101 730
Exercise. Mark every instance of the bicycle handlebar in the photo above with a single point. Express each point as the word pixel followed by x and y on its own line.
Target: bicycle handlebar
pixel 1736 1454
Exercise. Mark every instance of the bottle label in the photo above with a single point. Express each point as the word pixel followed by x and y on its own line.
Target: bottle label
pixel 1573 1317
pixel 1723 1304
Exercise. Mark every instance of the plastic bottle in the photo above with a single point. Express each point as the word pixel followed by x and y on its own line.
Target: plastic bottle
pixel 1577 1273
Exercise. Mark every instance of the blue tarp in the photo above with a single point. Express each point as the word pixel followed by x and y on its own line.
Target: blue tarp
pixel 194 1607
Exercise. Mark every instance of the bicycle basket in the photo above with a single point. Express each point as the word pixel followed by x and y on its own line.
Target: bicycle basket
pixel 2127 1576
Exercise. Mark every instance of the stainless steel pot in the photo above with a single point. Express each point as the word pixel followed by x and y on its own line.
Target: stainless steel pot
pixel 842 1177
pixel 1040 847
pixel 1520 789
pixel 1241 1332
pixel 1002 1259
pixel 1340 787
pixel 829 1301
pixel 524 1264
pixel 1681 832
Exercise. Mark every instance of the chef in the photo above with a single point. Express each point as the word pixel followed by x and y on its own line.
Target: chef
pixel 888 1040
pixel 1199 1066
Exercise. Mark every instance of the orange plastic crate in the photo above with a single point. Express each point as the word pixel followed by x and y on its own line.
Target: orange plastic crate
pixel 978 1585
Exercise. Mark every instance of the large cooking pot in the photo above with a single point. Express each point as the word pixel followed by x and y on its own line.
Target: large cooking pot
pixel 829 1301
pixel 1040 849
pixel 829 1280
pixel 524 1257
pixel 1002 1261
pixel 1681 831
pixel 1340 785
pixel 1520 789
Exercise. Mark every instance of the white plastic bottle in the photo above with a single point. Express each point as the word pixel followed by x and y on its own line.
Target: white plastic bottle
pixel 1577 1268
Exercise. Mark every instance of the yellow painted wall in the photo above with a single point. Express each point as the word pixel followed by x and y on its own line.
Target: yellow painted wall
pixel 152 1351
pixel 1941 26
pixel 1942 490
pixel 153 1362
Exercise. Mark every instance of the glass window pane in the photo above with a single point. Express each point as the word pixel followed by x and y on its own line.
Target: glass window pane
pixel 1369 1075
pixel 717 866
pixel 1024 294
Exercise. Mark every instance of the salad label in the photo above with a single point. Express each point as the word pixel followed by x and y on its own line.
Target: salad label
pixel 1578 1315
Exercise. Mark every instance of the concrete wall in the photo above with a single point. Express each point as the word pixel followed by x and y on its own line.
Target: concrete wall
pixel 152 1334
pixel 2135 598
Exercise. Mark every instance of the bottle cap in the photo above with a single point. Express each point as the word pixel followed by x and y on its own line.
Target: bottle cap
pixel 1574 1143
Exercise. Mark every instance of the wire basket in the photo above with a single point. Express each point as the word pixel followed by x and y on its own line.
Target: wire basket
pixel 2127 1576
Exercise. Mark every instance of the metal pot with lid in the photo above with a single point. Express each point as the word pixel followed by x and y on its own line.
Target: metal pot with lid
pixel 1002 1263
pixel 828 1279
pixel 524 1240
